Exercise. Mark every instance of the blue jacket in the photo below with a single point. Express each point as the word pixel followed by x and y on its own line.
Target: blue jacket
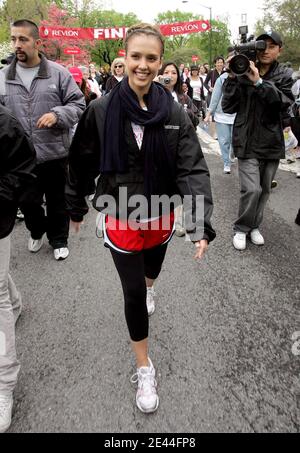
pixel 215 105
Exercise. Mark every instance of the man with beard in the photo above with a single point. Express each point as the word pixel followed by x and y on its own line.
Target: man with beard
pixel 47 102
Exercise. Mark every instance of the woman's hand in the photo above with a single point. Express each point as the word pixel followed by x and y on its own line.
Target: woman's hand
pixel 201 247
pixel 207 117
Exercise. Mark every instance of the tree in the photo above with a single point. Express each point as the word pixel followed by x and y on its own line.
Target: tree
pixel 284 17
pixel 183 55
pixel 5 49
pixel 11 10
pixel 104 52
pixel 173 43
pixel 184 46
pixel 220 40
pixel 54 48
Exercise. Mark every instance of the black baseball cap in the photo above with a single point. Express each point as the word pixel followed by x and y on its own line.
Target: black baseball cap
pixel 271 35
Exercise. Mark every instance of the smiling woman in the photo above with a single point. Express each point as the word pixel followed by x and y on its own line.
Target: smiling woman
pixel 117 71
pixel 145 147
pixel 144 48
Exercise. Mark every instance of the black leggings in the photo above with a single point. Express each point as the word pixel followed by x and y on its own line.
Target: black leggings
pixel 132 270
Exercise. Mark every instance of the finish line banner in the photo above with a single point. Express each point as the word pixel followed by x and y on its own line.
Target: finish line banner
pixel 179 28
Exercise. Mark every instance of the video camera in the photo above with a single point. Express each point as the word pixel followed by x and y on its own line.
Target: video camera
pixel 244 52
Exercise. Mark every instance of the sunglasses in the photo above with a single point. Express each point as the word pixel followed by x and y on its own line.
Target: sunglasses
pixel 119 66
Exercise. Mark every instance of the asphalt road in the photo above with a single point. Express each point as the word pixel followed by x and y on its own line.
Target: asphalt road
pixel 221 336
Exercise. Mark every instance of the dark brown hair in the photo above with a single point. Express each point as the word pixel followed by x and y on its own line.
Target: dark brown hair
pixel 177 86
pixel 34 31
pixel 144 29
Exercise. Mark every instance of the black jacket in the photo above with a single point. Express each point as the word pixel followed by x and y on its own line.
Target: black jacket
pixel 192 172
pixel 211 78
pixel 191 109
pixel 262 113
pixel 17 162
pixel 111 82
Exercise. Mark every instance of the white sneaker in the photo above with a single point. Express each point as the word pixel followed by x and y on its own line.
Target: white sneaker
pixel 150 300
pixel 227 169
pixel 179 231
pixel 61 254
pixel 239 241
pixel 6 404
pixel 146 396
pixel 34 245
pixel 20 215
pixel 256 237
pixel 100 225
pixel 298 174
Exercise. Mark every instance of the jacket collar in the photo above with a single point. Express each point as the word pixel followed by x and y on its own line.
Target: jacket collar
pixel 44 69
pixel 271 70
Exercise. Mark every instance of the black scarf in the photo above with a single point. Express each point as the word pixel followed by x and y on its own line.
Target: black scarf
pixel 159 167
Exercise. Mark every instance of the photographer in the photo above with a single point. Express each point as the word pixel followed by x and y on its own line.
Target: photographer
pixel 261 98
pixel 170 72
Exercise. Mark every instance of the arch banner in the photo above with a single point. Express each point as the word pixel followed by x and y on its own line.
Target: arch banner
pixel 179 28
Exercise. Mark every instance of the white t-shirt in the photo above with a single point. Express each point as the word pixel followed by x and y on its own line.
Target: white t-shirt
pixel 174 94
pixel 138 132
pixel 196 85
pixel 224 118
pixel 94 86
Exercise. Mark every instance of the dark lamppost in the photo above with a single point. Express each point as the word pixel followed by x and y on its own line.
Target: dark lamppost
pixel 210 30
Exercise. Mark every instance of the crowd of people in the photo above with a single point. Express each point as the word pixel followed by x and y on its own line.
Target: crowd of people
pixel 68 133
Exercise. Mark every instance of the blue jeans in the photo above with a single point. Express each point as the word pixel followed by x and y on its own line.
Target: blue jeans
pixel 224 132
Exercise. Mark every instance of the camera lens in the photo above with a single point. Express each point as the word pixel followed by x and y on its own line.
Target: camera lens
pixel 164 80
pixel 239 65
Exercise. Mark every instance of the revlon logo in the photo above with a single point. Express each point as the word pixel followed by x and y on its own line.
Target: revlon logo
pixel 185 28
pixel 68 33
